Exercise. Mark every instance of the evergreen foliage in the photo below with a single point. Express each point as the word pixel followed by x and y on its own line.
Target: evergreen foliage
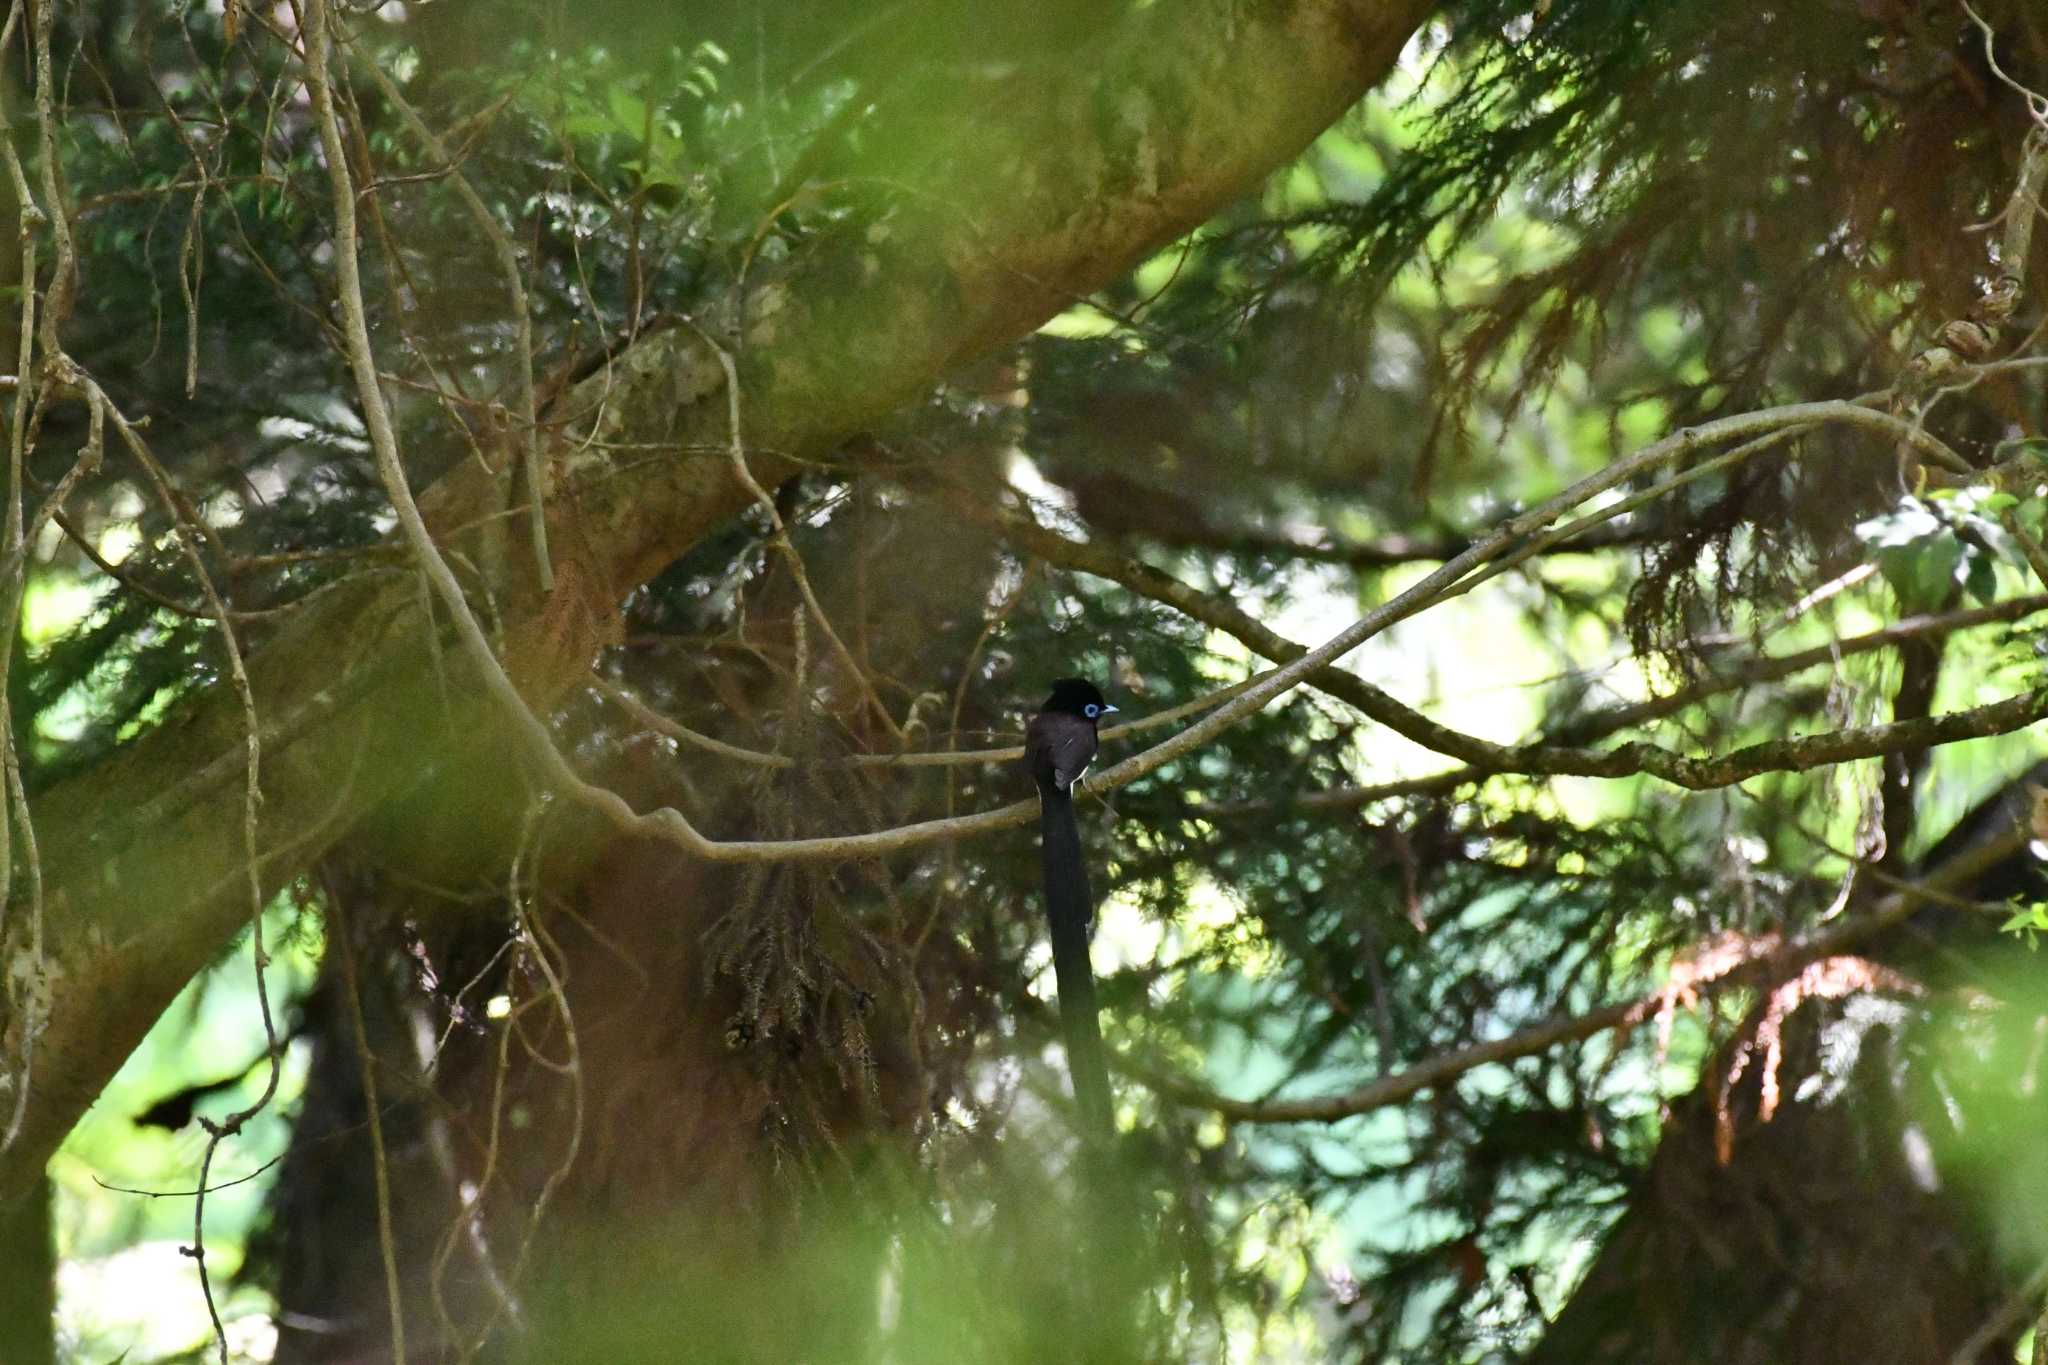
pixel 1568 228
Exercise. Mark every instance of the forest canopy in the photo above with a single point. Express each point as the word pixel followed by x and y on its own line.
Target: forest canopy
pixel 534 531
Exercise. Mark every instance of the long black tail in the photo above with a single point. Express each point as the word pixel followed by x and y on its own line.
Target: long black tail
pixel 1069 906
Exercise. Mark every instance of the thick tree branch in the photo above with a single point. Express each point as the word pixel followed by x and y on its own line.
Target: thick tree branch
pixel 1606 722
pixel 998 232
pixel 1536 759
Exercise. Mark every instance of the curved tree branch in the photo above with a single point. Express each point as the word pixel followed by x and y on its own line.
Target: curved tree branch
pixel 1002 230
pixel 1485 756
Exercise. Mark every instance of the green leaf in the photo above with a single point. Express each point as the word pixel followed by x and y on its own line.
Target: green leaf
pixel 2032 447
pixel 629 110
pixel 1921 572
pixel 1980 579
pixel 2027 919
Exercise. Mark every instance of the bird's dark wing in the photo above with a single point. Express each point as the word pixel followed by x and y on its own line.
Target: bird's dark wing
pixel 1058 748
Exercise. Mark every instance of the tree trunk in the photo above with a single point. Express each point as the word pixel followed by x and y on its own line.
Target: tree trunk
pixel 28 1289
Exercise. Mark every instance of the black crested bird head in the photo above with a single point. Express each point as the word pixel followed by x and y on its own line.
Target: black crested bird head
pixel 1077 697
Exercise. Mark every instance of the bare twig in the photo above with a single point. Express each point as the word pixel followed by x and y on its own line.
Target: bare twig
pixel 2037 103
pixel 251 800
pixel 143 590
pixel 1562 535
pixel 2026 204
pixel 15 546
pixel 33 1005
pixel 52 507
pixel 522 318
pixel 738 453
pixel 187 1194
pixel 190 526
pixel 1484 755
pixel 468 1221
pixel 63 286
pixel 2030 548
pixel 989 627
pixel 937 758
pixel 366 1062
pixel 525 898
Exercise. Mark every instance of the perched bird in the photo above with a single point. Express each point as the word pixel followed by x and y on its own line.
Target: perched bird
pixel 1058 746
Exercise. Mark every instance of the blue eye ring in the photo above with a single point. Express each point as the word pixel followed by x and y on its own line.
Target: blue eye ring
pixel 1091 710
